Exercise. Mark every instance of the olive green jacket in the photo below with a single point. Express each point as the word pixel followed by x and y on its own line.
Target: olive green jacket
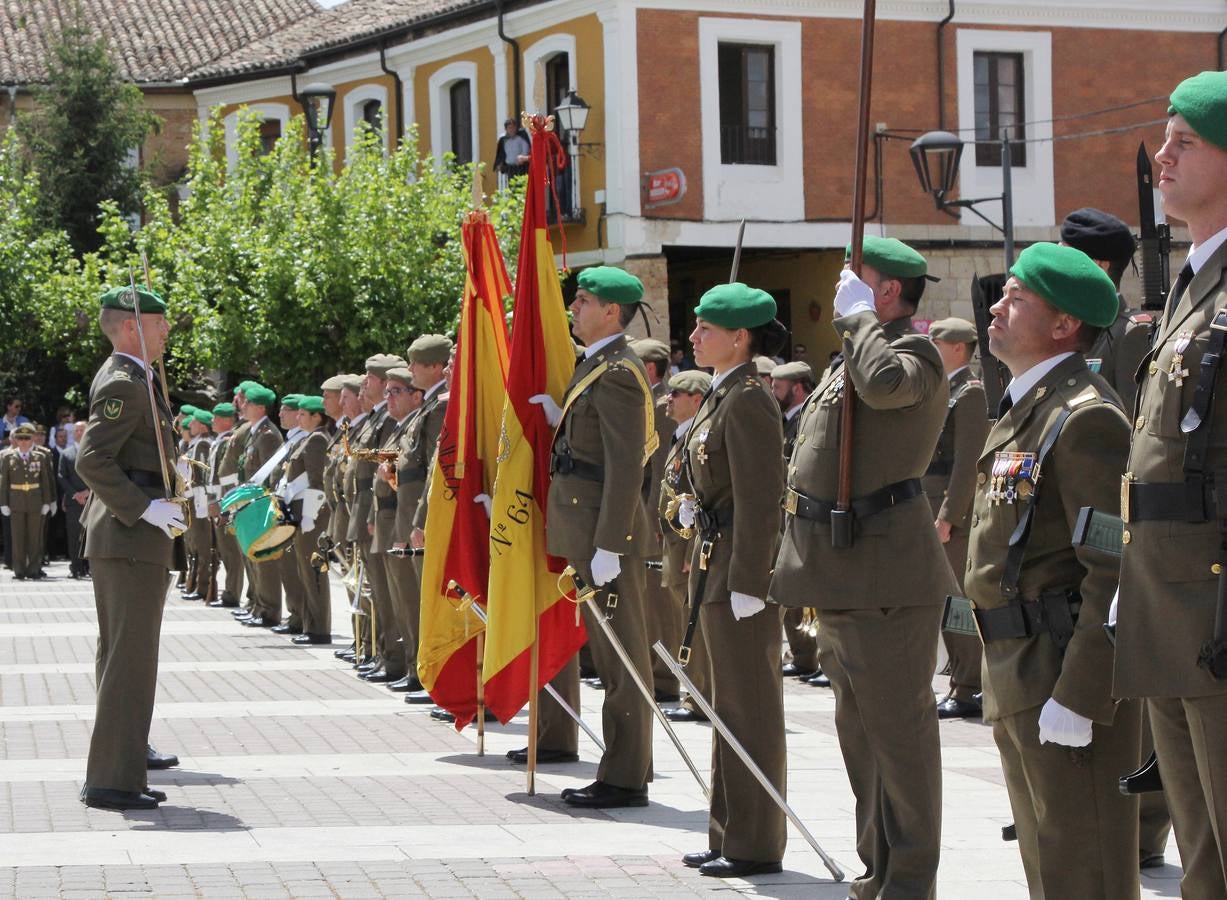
pixel 1119 349
pixel 958 448
pixel 605 425
pixel 1168 591
pixel 36 470
pixel 309 456
pixel 655 469
pixel 334 485
pixel 120 439
pixel 901 396
pixel 735 459
pixel 263 440
pixel 385 509
pixel 359 486
pixel 417 461
pixel 1083 469
pixel 675 548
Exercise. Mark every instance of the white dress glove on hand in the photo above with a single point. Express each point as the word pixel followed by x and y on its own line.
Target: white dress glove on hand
pixel 1059 725
pixel 744 605
pixel 605 566
pixel 487 502
pixel 48 508
pixel 686 510
pixel 5 511
pixel 1112 609
pixel 852 295
pixel 164 515
pixel 306 524
pixel 553 412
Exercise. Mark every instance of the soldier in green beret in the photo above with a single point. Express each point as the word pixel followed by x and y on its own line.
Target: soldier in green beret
pixel 288 568
pixel 881 597
pixel 1039 601
pixel 130 525
pixel 263 440
pixel 950 484
pixel 198 541
pixel 228 475
pixel 225 545
pixel 304 491
pixel 1172 587
pixel 734 464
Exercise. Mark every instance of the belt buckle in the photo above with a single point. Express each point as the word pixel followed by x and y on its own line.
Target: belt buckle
pixel 1125 481
pixel 704 554
pixel 790 501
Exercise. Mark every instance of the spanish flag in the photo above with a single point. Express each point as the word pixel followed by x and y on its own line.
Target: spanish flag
pixel 523 600
pixel 464 468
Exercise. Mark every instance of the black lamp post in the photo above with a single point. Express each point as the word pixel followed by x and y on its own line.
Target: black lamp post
pixel 936 156
pixel 572 115
pixel 317 102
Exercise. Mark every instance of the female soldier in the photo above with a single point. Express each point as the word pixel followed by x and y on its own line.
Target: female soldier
pixel 309 459
pixel 734 463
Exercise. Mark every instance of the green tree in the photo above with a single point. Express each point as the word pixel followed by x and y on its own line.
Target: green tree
pixel 85 123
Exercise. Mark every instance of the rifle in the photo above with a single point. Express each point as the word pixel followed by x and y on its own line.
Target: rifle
pixel 1156 240
pixel 994 374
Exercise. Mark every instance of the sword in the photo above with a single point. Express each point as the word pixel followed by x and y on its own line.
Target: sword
pixel 741 233
pixel 680 674
pixel 585 593
pixel 468 602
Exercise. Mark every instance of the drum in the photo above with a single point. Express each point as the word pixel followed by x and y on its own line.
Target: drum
pixel 261 523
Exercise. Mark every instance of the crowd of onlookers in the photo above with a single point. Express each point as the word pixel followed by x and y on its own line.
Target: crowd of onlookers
pixel 60 440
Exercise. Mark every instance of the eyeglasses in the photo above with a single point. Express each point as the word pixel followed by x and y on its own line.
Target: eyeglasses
pixel 395 392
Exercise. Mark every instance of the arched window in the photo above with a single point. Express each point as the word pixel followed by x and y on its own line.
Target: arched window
pixel 371 114
pixel 460 102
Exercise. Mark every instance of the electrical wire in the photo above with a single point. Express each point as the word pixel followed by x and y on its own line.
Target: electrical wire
pixel 1069 118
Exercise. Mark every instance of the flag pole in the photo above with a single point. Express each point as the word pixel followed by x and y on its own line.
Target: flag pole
pixel 533 706
pixel 481 697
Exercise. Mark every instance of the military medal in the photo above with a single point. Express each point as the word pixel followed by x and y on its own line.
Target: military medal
pixel 701 450
pixel 1176 372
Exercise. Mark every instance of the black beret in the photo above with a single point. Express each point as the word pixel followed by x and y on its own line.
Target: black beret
pixel 1098 234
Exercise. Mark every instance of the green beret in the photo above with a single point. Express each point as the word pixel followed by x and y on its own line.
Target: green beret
pixel 186 421
pixel 1069 280
pixel 335 383
pixel 400 374
pixel 651 350
pixel 953 331
pixel 121 298
pixel 764 364
pixel 431 349
pixel 612 284
pixel 692 381
pixel 381 362
pixel 245 386
pixel 1202 100
pixel 891 257
pixel 186 409
pixel 794 371
pixel 224 409
pixel 311 404
pixel 204 417
pixel 736 305
pixel 291 401
pixel 351 383
pixel 260 395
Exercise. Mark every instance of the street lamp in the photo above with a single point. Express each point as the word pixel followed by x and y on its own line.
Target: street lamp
pixel 572 115
pixel 936 156
pixel 317 101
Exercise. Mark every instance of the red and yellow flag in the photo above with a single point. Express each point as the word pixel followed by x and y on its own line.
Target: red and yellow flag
pixel 458 547
pixel 523 598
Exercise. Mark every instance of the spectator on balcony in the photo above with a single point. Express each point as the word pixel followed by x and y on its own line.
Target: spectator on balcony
pixel 511 157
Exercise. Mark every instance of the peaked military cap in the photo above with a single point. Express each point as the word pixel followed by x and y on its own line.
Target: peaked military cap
pixel 736 305
pixel 121 298
pixel 431 349
pixel 612 284
pixel 1202 100
pixel 651 350
pixel 24 428
pixel 260 395
pixel 1069 280
pixel 793 371
pixel 1098 234
pixel 692 381
pixel 335 383
pixel 224 409
pixel 764 364
pixel 953 330
pixel 311 404
pixel 400 374
pixel 381 362
pixel 892 257
pixel 351 383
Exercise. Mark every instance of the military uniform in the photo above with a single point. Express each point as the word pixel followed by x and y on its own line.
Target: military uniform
pixel 1119 349
pixel 225 544
pixel 1077 833
pixel 882 597
pixel 400 579
pixel 308 458
pixel 263 440
pixel 236 563
pixel 199 536
pixel 130 560
pixel 27 487
pixel 950 483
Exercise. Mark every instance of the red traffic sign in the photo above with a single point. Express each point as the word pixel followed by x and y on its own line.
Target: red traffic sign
pixel 663 187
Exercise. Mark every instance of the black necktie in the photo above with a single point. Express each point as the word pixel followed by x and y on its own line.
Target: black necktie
pixel 1004 406
pixel 1181 285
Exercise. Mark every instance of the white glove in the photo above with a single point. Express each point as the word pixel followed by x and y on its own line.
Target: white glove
pixel 47 508
pixel 184 468
pixel 943 655
pixel 686 510
pixel 1112 609
pixel 306 524
pixel 744 605
pixel 852 295
pixel 1059 725
pixel 5 511
pixel 605 566
pixel 553 412
pixel 487 502
pixel 164 515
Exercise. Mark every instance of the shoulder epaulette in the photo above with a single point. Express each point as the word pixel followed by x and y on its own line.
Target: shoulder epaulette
pixel 1090 395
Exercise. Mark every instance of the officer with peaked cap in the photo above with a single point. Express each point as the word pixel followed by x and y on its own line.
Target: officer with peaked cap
pixel 27 496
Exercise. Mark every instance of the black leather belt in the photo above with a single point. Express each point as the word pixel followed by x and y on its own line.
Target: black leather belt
pixel 385 502
pixel 365 484
pixel 1055 612
pixel 1174 501
pixel 797 504
pixel 566 464
pixel 940 467
pixel 145 478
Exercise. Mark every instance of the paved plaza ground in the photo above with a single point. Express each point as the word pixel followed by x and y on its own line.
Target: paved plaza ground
pixel 297 780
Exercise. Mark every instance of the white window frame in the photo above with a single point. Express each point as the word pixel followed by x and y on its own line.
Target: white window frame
pixel 549 46
pixel 1033 184
pixel 353 112
pixel 751 191
pixel 441 108
pixel 278 111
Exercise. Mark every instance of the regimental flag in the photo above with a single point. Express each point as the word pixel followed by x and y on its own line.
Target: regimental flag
pixel 523 598
pixel 464 468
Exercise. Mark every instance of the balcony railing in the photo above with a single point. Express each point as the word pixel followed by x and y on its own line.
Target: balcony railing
pixel 743 145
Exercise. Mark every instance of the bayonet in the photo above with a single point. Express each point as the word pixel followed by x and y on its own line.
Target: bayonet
pixel 1155 239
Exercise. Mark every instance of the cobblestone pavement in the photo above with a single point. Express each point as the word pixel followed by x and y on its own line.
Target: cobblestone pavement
pixel 297 780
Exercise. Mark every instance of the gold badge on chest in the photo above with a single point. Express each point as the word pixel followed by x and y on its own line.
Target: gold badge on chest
pixel 1014 476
